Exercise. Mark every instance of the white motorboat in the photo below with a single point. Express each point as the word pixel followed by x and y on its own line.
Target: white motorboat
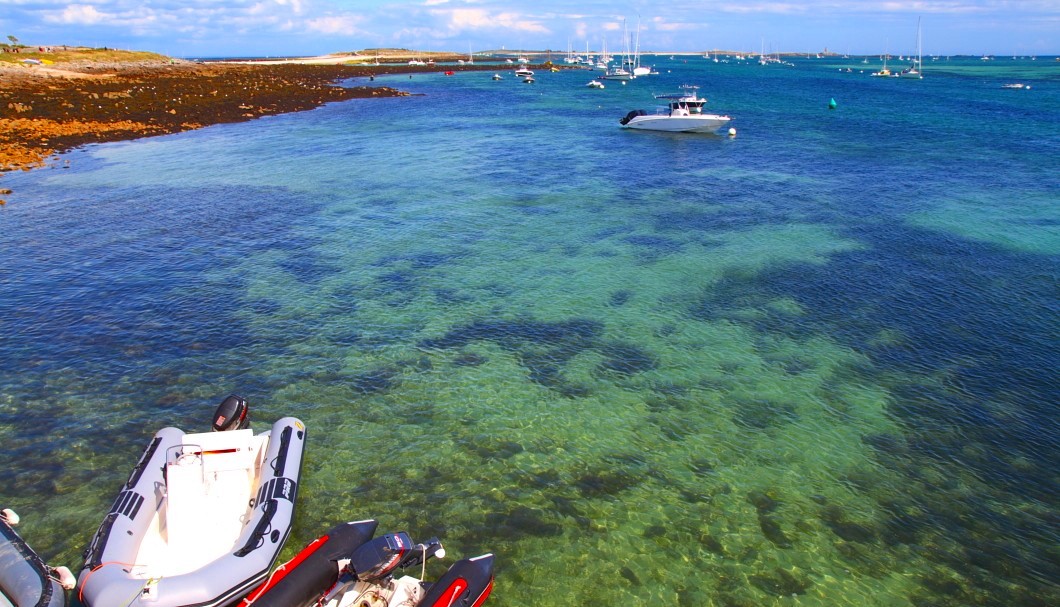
pixel 496 76
pixel 25 579
pixel 683 113
pixel 595 84
pixel 524 72
pixel 202 517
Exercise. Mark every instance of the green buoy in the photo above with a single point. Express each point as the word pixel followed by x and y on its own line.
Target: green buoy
pixel 831 104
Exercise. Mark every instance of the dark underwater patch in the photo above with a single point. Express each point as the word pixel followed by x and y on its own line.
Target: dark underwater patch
pixel 836 520
pixel 763 502
pixel 263 306
pixel 489 447
pixel 469 359
pixel 307 266
pixel 630 576
pixel 542 347
pixel 396 281
pixel 626 358
pixel 673 427
pixel 420 261
pixel 772 531
pixel 578 334
pixel 762 414
pixel 522 522
pixel 657 244
pixel 374 381
pixel 781 582
pixel 605 483
pixel 620 298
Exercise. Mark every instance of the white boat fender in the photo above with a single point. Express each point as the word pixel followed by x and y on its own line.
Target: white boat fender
pixel 65 577
pixel 10 516
pixel 732 132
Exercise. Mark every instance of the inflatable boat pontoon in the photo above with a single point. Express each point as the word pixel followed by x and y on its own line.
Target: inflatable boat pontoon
pixel 25 579
pixel 202 518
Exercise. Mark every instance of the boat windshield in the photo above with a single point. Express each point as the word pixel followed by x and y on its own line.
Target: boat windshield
pixel 692 107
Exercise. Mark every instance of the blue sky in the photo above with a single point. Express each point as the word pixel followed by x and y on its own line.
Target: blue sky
pixel 188 28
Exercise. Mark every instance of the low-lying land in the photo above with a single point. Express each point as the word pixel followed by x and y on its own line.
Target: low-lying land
pixel 52 100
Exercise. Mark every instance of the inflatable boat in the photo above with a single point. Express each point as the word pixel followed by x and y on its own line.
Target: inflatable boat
pixel 25 579
pixel 348 568
pixel 201 519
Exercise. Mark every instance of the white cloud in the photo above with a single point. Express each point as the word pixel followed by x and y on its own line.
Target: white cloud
pixel 480 19
pixel 296 5
pixel 79 14
pixel 662 25
pixel 774 8
pixel 343 24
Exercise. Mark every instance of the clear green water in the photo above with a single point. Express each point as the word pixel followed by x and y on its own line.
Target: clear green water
pixel 813 364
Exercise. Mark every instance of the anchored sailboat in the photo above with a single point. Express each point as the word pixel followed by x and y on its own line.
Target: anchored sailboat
pixel 914 71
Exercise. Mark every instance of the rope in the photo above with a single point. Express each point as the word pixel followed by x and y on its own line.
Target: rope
pixel 81 592
pixel 423 570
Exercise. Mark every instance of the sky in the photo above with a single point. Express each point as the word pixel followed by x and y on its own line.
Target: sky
pixel 259 28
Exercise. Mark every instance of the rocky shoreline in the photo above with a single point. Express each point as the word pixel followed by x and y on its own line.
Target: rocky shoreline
pixel 44 111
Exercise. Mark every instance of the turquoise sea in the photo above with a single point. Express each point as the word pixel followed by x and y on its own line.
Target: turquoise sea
pixel 813 364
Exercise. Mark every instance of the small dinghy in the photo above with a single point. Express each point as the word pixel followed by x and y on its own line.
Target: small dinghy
pixel 202 518
pixel 25 579
pixel 347 568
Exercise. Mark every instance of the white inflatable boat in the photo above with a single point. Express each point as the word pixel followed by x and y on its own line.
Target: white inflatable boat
pixel 202 518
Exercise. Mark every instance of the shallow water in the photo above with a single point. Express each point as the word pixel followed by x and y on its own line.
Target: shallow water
pixel 812 364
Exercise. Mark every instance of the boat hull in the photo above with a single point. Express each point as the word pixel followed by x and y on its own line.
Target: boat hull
pixel 695 123
pixel 200 521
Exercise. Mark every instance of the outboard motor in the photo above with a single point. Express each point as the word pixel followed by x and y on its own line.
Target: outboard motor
pixel 631 116
pixel 231 414
pixel 376 559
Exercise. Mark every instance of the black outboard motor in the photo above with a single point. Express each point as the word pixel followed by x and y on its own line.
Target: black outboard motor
pixel 231 414
pixel 376 559
pixel 631 116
